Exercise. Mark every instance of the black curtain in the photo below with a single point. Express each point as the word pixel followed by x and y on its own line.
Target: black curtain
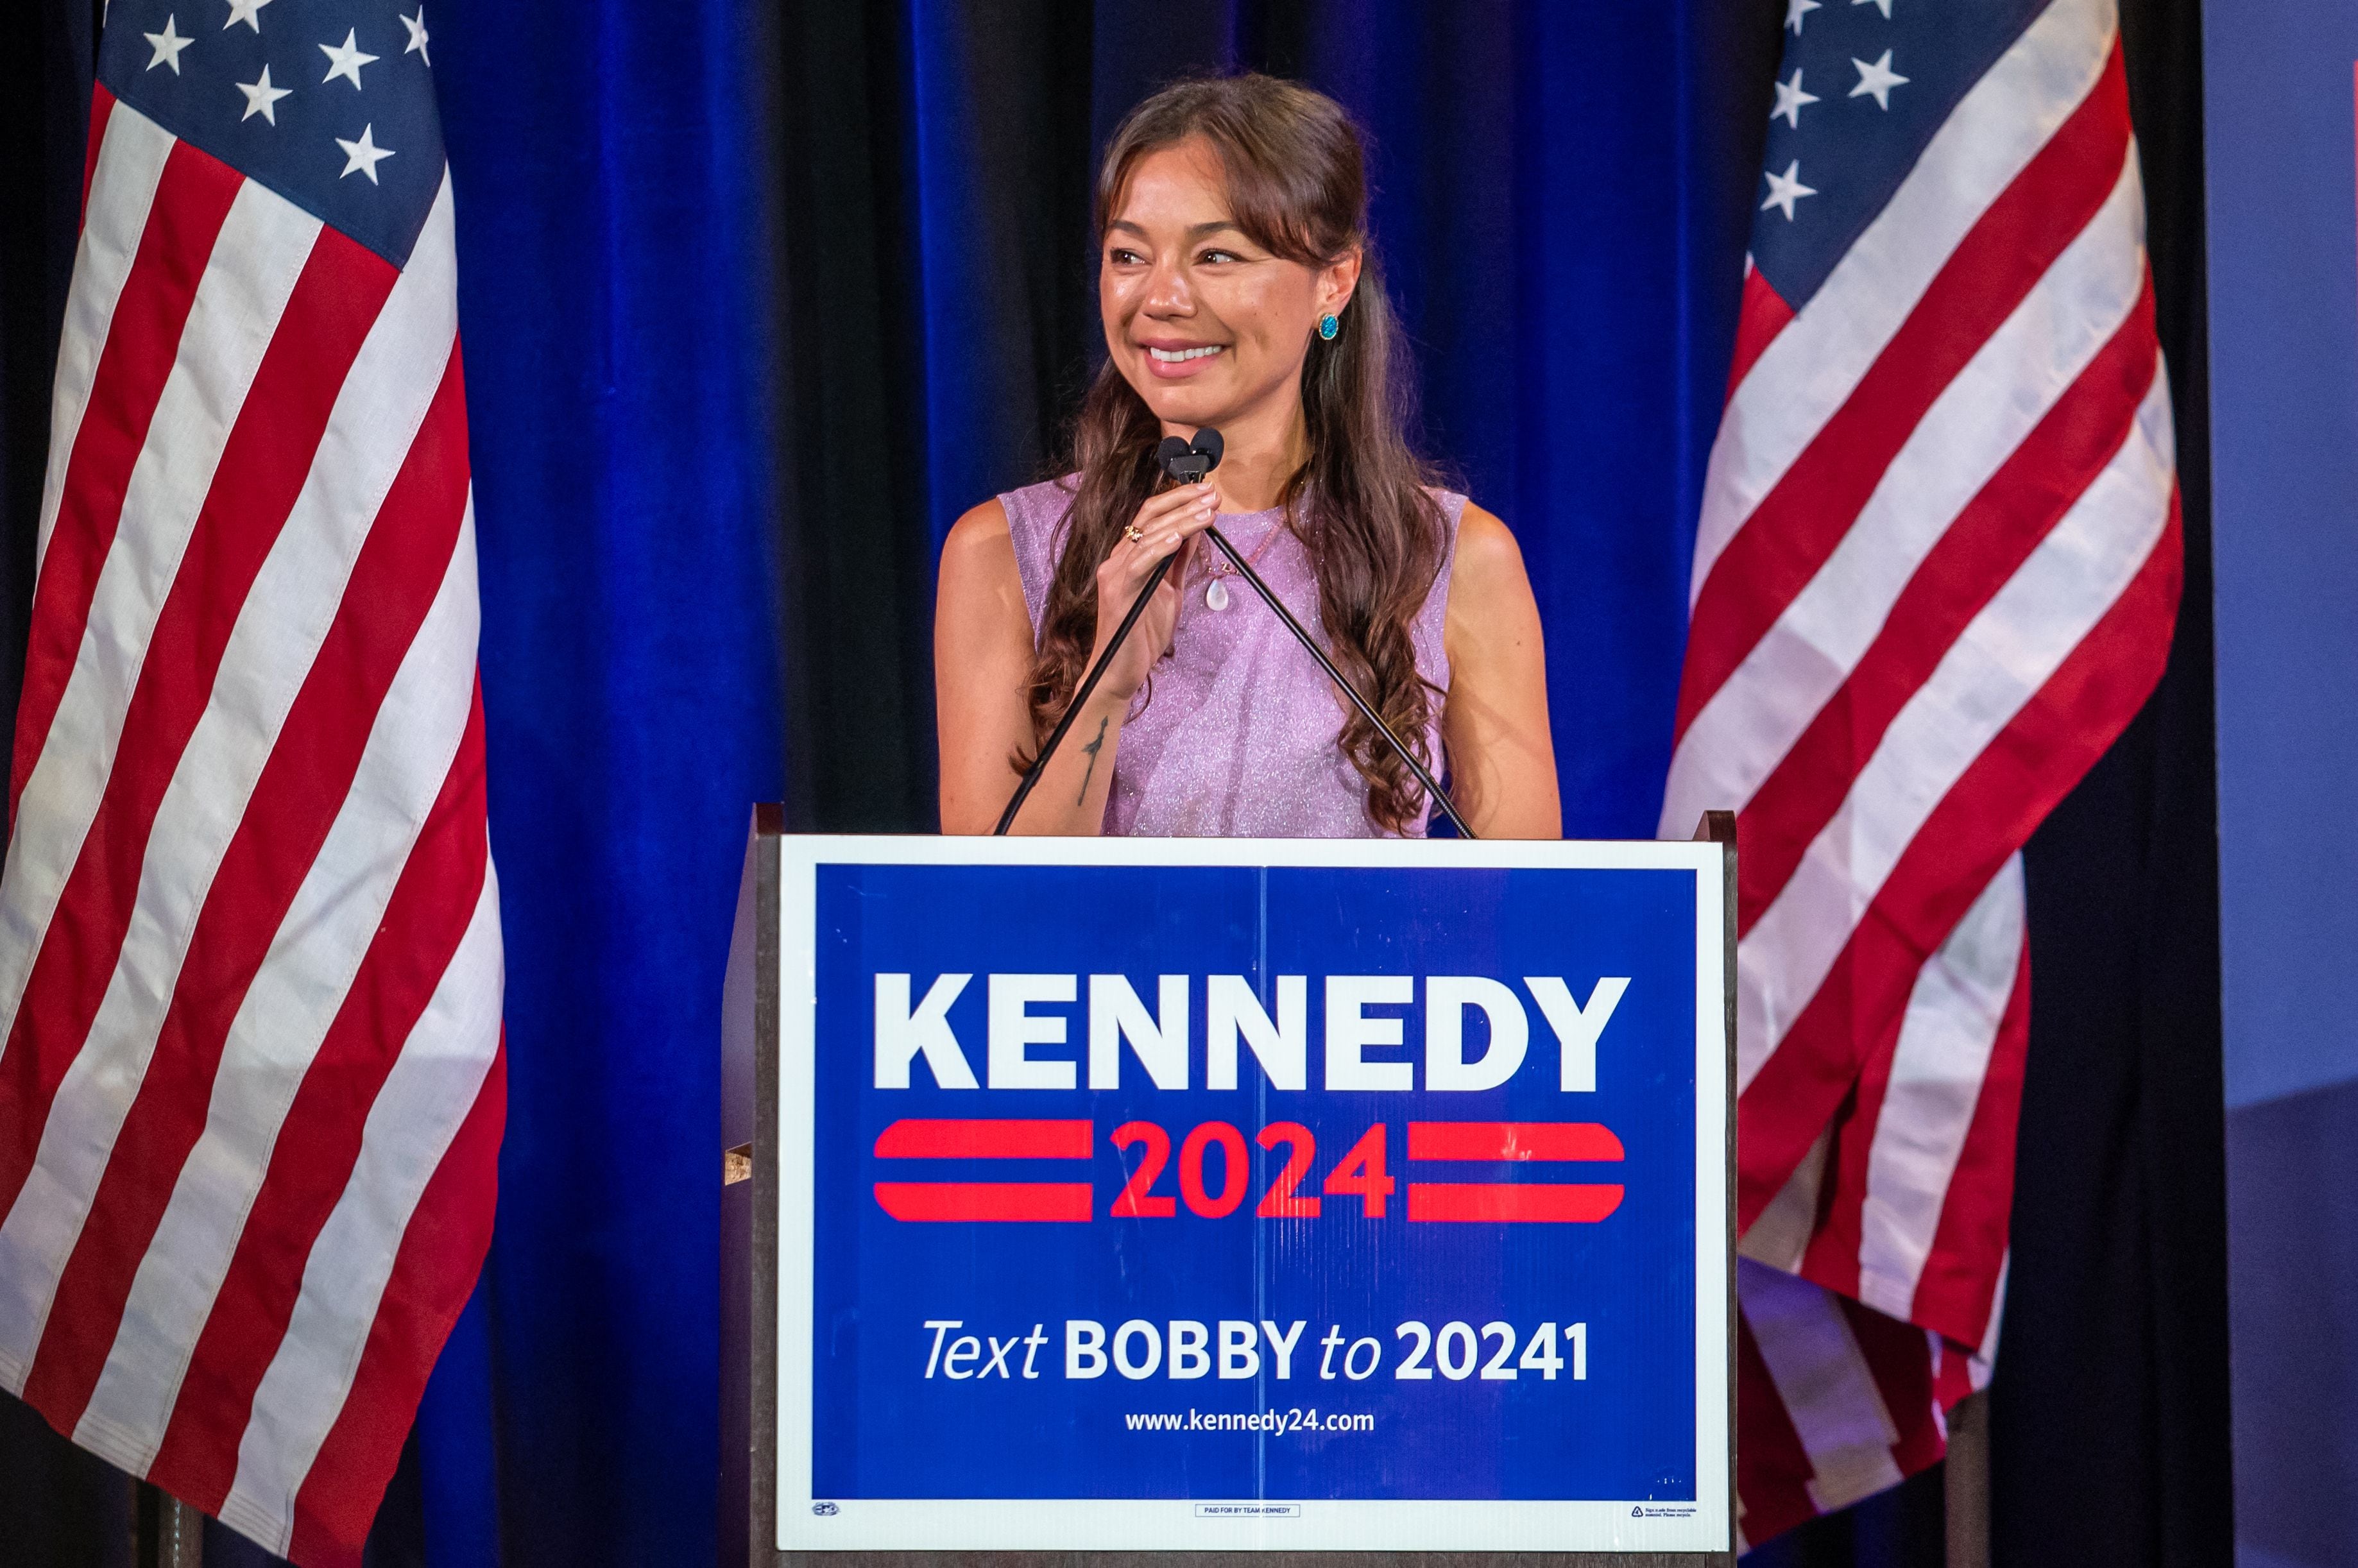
pixel 2109 1415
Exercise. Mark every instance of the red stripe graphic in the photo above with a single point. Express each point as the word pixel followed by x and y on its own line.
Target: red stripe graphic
pixel 433 1273
pixel 1499 1203
pixel 1797 526
pixel 1511 1140
pixel 1016 1201
pixel 919 1140
pixel 294 802
pixel 313 1158
pixel 192 200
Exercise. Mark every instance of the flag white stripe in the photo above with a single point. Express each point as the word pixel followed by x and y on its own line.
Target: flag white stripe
pixel 131 157
pixel 1824 1379
pixel 1937 1069
pixel 278 631
pixel 2000 662
pixel 1811 367
pixel 283 1018
pixel 239 297
pixel 1758 714
pixel 431 1089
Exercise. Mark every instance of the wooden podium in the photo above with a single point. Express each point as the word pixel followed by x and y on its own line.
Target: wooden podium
pixel 950 1009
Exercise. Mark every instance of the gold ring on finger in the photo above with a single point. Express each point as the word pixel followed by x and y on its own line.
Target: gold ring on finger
pixel 1136 534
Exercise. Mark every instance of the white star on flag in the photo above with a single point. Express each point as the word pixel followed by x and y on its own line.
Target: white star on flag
pixel 364 156
pixel 345 61
pixel 260 98
pixel 246 11
pixel 1786 188
pixel 1882 6
pixel 168 45
pixel 1790 98
pixel 1797 9
pixel 417 26
pixel 1878 79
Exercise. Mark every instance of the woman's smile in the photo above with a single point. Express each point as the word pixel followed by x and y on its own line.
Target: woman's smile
pixel 1177 361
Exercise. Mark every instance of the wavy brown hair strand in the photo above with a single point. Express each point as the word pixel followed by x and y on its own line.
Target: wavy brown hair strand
pixel 1361 502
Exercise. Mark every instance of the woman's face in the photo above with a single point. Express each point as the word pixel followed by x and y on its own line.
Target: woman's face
pixel 1206 325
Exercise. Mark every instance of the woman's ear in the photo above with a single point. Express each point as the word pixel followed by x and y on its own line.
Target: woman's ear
pixel 1337 281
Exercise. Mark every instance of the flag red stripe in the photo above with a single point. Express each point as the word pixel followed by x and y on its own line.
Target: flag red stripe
pixel 263 461
pixel 1798 523
pixel 263 465
pixel 1832 1258
pixel 102 108
pixel 1900 1356
pixel 294 801
pixel 922 1139
pixel 1511 1140
pixel 1979 554
pixel 1954 1292
pixel 312 1160
pixel 1762 314
pixel 1553 1203
pixel 433 1273
pixel 989 1201
pixel 1772 1469
pixel 1985 817
pixel 192 200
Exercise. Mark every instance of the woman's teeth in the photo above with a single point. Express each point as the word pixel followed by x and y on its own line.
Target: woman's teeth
pixel 1176 356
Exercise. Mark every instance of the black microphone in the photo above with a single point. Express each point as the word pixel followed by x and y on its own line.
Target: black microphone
pixel 1187 462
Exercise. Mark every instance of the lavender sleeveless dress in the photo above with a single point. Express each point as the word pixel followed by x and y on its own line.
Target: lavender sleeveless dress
pixel 1236 735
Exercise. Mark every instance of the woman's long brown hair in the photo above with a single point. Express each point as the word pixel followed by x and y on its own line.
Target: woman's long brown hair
pixel 1297 185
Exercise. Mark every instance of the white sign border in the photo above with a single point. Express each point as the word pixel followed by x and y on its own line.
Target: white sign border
pixel 1175 1524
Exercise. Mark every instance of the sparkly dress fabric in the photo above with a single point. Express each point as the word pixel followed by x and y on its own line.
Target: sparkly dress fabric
pixel 1234 735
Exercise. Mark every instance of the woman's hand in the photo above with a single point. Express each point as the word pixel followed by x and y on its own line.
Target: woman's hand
pixel 1166 524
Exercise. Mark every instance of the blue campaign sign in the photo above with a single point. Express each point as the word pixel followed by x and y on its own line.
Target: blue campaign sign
pixel 1243 1196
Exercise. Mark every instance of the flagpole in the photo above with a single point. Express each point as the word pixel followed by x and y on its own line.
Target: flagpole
pixel 165 1531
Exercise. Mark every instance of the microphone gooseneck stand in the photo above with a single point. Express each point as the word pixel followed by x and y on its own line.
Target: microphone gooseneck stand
pixel 1188 462
pixel 1080 696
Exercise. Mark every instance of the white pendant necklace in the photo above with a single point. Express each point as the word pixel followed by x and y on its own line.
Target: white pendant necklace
pixel 1215 591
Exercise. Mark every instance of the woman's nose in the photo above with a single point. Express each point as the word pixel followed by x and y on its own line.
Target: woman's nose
pixel 1167 292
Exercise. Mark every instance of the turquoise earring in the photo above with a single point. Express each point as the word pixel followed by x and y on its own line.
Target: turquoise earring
pixel 1328 326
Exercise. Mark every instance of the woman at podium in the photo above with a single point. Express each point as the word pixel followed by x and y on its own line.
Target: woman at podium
pixel 1240 291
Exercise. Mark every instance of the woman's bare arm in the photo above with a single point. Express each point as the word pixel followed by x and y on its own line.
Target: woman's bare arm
pixel 982 658
pixel 982 664
pixel 1495 723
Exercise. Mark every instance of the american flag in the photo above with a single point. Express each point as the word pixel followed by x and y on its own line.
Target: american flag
pixel 250 1073
pixel 1936 575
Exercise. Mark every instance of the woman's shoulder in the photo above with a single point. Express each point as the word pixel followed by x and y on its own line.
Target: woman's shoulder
pixel 1486 557
pixel 1039 508
pixel 1022 524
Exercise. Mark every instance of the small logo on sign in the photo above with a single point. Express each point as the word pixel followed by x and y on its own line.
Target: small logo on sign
pixel 824 1510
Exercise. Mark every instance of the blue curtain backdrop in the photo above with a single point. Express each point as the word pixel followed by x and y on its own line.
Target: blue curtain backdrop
pixel 756 297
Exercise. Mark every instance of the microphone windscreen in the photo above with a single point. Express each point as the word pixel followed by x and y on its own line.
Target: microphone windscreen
pixel 1172 446
pixel 1207 441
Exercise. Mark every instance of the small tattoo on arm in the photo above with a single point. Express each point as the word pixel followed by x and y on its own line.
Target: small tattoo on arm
pixel 1093 748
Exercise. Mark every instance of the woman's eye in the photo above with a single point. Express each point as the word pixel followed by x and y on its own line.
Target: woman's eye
pixel 1124 258
pixel 1210 256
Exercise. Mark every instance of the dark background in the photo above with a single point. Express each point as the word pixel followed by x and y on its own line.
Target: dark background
pixel 757 297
